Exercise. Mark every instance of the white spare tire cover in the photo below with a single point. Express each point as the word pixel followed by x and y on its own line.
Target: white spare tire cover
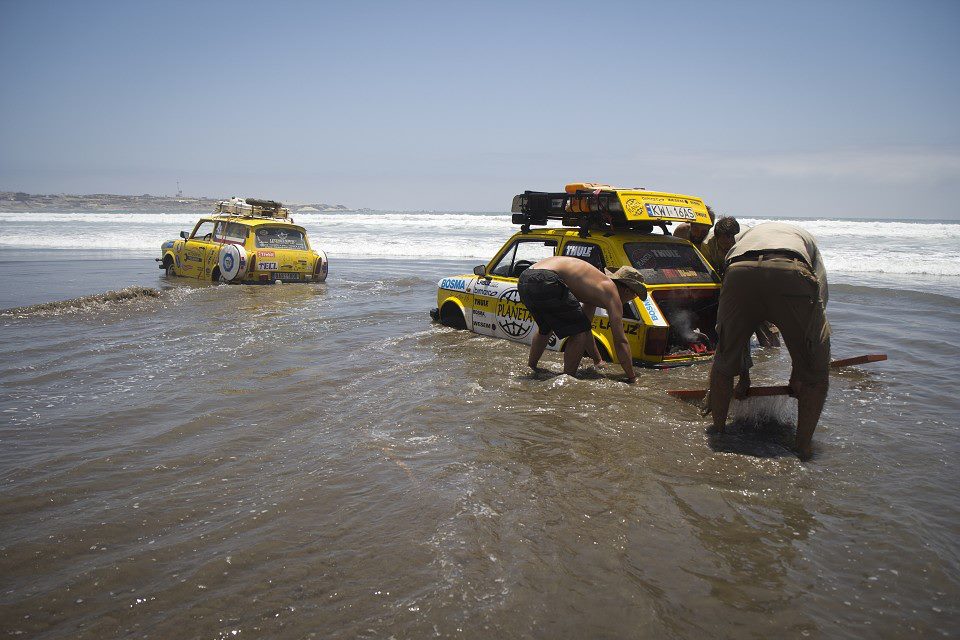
pixel 320 272
pixel 232 262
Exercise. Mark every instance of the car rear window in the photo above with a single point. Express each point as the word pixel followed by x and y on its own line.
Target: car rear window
pixel 668 263
pixel 280 238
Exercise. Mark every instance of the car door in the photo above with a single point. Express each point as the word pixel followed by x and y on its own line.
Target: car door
pixel 497 310
pixel 196 250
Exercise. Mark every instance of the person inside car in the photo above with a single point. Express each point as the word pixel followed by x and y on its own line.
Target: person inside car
pixel 695 232
pixel 563 293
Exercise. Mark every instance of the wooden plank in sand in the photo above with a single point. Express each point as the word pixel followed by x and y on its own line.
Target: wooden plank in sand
pixel 778 390
pixel 699 394
pixel 848 362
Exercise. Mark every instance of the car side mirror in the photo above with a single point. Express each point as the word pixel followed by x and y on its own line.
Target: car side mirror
pixel 184 234
pixel 480 270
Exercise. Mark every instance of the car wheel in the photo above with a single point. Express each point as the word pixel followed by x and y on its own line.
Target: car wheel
pixel 451 316
pixel 604 354
pixel 168 266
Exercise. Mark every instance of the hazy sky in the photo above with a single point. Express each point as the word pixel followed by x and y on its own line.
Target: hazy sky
pixel 838 108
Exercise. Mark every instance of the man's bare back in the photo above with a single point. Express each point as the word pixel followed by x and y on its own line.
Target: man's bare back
pixel 592 288
pixel 585 281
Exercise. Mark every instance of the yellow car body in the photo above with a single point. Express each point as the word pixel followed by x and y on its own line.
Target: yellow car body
pixel 675 325
pixel 262 248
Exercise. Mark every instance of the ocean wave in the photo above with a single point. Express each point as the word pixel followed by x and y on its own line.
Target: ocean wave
pixel 944 301
pixel 903 231
pixel 85 303
pixel 869 247
pixel 891 263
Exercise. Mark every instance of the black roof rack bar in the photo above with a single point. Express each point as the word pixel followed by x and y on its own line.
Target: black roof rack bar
pixel 537 207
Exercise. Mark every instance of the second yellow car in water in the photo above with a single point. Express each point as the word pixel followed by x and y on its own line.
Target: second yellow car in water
pixel 245 241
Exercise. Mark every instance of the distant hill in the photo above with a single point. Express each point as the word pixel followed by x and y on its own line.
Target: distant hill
pixel 11 201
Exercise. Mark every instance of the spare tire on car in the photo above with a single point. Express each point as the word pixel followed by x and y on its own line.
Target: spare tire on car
pixel 233 263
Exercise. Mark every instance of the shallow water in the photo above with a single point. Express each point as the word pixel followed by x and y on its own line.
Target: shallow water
pixel 296 461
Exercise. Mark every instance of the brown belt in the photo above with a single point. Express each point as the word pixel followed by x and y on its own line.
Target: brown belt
pixel 766 255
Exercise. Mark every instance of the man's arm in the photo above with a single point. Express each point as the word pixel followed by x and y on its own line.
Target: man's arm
pixel 620 344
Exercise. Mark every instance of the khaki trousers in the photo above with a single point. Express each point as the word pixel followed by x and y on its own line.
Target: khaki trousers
pixel 779 290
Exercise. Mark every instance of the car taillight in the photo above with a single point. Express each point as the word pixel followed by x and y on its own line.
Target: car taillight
pixel 656 342
pixel 253 262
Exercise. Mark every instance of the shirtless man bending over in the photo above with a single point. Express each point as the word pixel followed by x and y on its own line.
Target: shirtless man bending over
pixel 563 293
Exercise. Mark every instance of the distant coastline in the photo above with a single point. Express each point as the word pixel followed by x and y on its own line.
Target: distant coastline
pixel 19 202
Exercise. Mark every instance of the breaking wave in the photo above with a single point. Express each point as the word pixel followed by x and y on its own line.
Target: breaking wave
pixel 848 246
pixel 95 302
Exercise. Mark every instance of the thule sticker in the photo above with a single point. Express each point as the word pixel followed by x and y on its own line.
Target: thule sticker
pixel 578 251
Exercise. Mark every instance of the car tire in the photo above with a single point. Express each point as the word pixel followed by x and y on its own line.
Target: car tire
pixel 168 267
pixel 451 316
pixel 604 354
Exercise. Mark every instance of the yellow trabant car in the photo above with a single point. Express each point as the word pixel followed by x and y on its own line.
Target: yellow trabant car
pixel 608 227
pixel 245 241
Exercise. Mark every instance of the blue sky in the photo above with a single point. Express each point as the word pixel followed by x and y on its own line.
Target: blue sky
pixel 831 109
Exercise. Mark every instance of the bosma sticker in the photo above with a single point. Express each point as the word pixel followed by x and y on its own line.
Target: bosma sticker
pixel 655 316
pixel 453 284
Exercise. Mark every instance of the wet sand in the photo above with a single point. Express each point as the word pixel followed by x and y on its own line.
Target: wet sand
pixel 322 461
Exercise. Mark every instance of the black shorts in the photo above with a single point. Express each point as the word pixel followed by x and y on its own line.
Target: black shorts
pixel 551 304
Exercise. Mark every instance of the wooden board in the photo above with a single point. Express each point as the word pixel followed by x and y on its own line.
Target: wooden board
pixel 698 394
pixel 778 390
pixel 848 362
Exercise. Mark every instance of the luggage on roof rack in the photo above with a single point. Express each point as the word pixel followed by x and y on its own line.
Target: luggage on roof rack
pixel 596 206
pixel 253 208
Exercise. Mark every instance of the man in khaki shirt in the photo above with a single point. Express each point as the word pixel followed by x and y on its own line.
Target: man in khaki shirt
pixel 775 273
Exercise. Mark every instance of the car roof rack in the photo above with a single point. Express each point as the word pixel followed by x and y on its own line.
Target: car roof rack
pixel 253 208
pixel 591 206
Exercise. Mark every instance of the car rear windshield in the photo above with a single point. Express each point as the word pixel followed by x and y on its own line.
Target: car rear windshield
pixel 280 238
pixel 668 263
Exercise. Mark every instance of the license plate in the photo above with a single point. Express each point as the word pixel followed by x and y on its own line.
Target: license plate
pixel 286 276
